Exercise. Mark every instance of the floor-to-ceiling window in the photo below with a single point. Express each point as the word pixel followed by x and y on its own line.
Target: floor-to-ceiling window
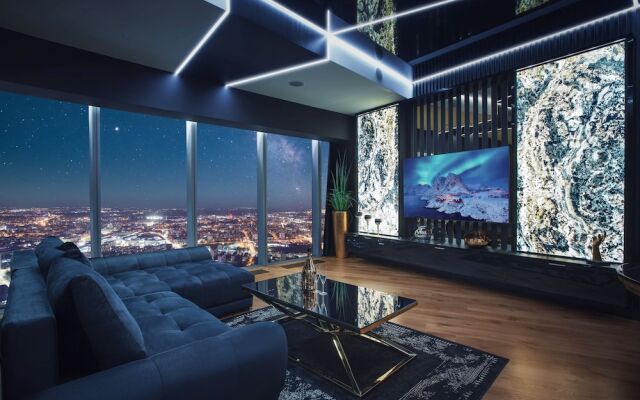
pixel 43 173
pixel 289 169
pixel 324 153
pixel 227 186
pixel 143 183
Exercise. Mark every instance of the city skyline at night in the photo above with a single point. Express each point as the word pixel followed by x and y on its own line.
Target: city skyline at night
pixel 44 167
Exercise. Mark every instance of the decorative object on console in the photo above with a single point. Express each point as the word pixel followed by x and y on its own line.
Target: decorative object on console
pixel 367 219
pixel 309 274
pixel 358 220
pixel 341 200
pixel 596 241
pixel 378 221
pixel 477 239
pixel 570 142
pixel 422 232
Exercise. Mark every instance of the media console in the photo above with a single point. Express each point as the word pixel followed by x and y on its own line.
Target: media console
pixel 594 286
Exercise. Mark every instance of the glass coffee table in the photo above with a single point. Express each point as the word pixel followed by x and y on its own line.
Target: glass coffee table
pixel 330 330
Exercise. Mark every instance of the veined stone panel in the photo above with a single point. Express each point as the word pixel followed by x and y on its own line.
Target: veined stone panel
pixel 526 5
pixel 570 154
pixel 383 34
pixel 378 169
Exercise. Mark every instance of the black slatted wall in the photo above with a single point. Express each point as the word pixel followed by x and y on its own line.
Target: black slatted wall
pixel 472 116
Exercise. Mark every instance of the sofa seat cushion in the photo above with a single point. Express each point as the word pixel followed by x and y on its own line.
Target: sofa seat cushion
pixel 206 283
pixel 168 321
pixel 114 335
pixel 136 283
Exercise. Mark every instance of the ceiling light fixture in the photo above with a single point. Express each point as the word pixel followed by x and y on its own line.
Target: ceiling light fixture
pixel 205 38
pixel 395 16
pixel 296 83
pixel 276 73
pixel 635 7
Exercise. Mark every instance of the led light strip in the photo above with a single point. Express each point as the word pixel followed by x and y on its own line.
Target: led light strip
pixel 204 39
pixel 331 39
pixel 276 73
pixel 635 6
pixel 295 16
pixel 367 58
pixel 394 16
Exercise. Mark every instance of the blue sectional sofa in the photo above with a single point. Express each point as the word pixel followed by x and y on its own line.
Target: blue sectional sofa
pixel 133 327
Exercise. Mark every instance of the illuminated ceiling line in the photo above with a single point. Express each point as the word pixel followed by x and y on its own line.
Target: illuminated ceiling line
pixel 500 53
pixel 277 72
pixel 295 16
pixel 394 16
pixel 205 38
pixel 367 58
pixel 329 37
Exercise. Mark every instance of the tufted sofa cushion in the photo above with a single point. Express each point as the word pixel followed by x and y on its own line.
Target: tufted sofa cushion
pixel 168 321
pixel 136 283
pixel 206 283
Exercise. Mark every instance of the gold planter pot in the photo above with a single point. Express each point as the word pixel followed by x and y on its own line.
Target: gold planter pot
pixel 339 231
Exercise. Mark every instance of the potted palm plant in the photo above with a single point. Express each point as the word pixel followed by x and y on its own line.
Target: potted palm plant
pixel 341 200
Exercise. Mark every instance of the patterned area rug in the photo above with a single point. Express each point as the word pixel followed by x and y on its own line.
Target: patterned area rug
pixel 442 370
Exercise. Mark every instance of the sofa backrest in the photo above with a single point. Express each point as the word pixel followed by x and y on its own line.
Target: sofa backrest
pixel 117 264
pixel 28 334
pixel 74 349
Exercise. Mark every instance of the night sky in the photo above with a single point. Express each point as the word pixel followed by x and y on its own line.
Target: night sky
pixel 477 168
pixel 44 160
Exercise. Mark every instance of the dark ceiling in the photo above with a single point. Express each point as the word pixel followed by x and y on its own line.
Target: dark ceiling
pixel 437 29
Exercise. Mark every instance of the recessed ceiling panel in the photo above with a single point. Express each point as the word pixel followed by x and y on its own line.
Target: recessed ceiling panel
pixel 328 86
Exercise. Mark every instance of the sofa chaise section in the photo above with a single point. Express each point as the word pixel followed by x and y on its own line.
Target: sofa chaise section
pixel 190 272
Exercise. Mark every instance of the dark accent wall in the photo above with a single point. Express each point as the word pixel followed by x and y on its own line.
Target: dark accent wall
pixel 38 67
pixel 475 115
pixel 470 79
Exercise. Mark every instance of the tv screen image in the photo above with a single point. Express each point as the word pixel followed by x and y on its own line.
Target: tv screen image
pixel 468 185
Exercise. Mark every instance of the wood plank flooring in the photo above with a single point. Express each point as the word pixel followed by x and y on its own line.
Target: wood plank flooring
pixel 555 352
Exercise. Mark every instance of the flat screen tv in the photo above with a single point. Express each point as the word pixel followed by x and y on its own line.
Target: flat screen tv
pixel 468 185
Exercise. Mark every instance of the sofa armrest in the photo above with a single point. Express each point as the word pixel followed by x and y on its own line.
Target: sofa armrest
pixel 21 259
pixel 28 337
pixel 245 363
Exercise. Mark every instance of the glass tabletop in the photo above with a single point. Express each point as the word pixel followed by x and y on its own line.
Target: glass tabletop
pixel 353 307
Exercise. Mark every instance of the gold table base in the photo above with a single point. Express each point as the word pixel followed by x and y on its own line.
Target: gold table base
pixel 334 331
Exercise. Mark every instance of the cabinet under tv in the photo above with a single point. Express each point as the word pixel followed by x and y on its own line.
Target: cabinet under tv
pixel 576 282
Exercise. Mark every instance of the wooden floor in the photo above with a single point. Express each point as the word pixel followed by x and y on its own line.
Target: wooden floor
pixel 554 352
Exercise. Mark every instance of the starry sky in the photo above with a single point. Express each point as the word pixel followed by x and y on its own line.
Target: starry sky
pixel 44 160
